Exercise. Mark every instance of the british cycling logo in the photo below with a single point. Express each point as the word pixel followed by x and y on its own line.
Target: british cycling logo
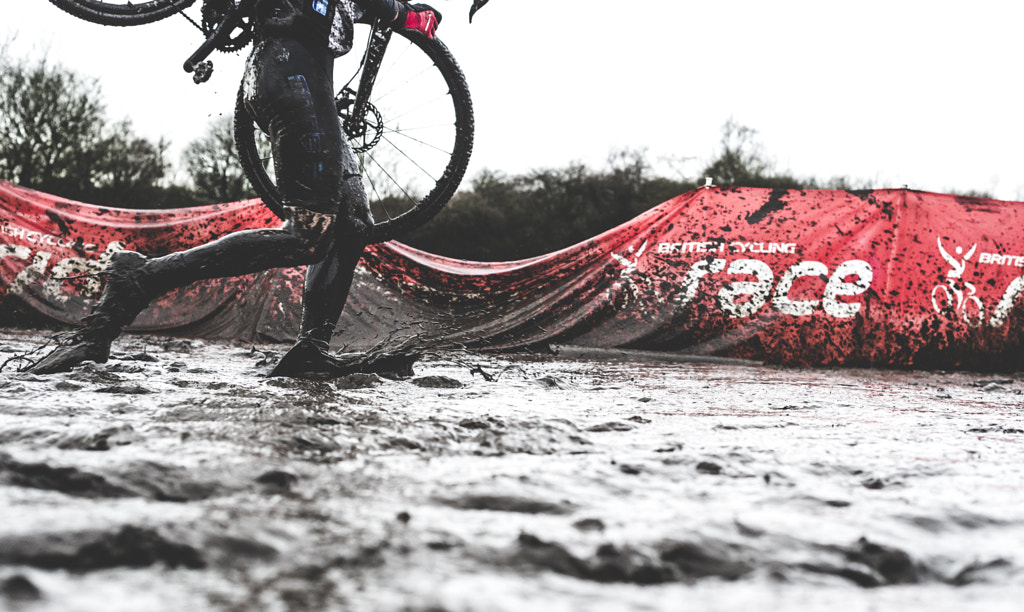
pixel 952 296
pixel 743 298
pixel 630 274
pixel 959 298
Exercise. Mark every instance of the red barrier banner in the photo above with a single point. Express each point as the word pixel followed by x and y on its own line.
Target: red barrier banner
pixel 891 278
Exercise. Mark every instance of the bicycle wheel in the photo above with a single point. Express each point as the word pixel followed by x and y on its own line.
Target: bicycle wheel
pixel 124 13
pixel 414 144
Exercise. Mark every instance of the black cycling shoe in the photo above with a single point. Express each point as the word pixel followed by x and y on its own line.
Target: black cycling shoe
pixel 64 358
pixel 308 358
pixel 122 300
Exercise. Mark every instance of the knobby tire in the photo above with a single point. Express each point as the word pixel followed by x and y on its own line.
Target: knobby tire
pixel 122 13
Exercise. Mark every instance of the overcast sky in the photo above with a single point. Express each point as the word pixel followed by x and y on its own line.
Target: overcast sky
pixel 904 92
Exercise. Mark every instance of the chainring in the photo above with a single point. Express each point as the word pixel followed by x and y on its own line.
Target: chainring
pixel 214 12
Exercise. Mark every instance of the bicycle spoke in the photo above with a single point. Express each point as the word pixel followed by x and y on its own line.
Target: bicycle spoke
pixel 411 160
pixel 373 185
pixel 424 104
pixel 403 134
pixel 407 83
pixel 412 199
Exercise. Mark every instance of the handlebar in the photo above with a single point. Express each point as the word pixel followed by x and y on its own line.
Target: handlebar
pixel 202 69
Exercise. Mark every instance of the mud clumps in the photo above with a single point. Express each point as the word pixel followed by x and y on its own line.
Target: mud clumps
pixel 553 382
pixel 95 550
pixel 102 440
pixel 508 503
pixel 126 390
pixel 19 589
pixel 140 479
pixel 611 426
pixel 67 480
pixel 865 563
pixel 703 560
pixel 709 467
pixel 677 562
pixel 437 382
pixel 868 564
pixel 278 480
pixel 358 381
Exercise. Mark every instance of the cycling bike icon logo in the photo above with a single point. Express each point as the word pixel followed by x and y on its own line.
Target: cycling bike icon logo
pixel 635 282
pixel 957 295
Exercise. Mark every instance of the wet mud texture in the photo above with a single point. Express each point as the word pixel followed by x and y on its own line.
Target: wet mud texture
pixel 179 476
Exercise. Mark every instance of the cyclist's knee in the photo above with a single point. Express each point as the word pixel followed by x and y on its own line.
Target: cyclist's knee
pixel 312 230
pixel 355 222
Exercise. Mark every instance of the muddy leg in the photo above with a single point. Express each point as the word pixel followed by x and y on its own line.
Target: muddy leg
pixel 327 287
pixel 133 280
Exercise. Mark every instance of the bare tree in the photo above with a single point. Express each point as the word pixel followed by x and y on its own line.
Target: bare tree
pixel 51 121
pixel 129 170
pixel 55 137
pixel 212 164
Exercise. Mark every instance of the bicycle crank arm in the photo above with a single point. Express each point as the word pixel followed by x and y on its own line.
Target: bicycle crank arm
pixel 197 62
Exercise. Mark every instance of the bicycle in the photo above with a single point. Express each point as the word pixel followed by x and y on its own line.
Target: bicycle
pixel 404 105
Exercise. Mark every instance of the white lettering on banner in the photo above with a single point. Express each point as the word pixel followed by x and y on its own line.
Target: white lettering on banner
pixel 691 281
pixel 800 308
pixel 1002 260
pixel 13 250
pixel 1002 311
pixel 761 248
pixel 63 270
pixel 758 291
pixel 837 286
pixel 30 274
pixel 39 238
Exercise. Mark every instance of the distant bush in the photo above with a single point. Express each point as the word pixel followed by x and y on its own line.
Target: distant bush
pixel 500 218
pixel 55 137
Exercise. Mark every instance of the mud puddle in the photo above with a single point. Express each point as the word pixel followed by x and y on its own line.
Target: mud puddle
pixel 178 476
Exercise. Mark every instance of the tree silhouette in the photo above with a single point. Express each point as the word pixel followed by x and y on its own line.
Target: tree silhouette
pixel 54 137
pixel 212 164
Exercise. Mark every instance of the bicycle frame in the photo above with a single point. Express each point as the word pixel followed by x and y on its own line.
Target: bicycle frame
pixel 356 124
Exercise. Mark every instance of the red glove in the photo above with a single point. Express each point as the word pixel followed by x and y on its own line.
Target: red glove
pixel 422 18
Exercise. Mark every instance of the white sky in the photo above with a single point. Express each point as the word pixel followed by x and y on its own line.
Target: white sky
pixel 904 92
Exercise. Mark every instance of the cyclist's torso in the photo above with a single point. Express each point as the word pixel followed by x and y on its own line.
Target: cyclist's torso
pixel 320 24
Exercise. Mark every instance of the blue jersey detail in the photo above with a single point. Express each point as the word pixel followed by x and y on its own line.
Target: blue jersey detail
pixel 320 6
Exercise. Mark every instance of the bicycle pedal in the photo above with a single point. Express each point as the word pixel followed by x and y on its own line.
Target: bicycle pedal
pixel 203 72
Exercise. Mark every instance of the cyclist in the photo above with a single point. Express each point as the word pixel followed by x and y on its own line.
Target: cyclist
pixel 288 89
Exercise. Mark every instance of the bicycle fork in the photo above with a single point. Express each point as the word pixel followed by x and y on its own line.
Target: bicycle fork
pixel 355 124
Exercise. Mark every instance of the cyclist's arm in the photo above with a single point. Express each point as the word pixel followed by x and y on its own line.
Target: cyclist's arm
pixel 391 11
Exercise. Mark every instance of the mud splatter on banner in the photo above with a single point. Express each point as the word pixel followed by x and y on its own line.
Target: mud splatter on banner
pixel 886 278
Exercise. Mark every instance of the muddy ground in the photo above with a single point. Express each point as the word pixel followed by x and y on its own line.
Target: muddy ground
pixel 180 477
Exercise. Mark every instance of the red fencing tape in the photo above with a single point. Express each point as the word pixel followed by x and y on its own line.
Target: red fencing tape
pixel 883 278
